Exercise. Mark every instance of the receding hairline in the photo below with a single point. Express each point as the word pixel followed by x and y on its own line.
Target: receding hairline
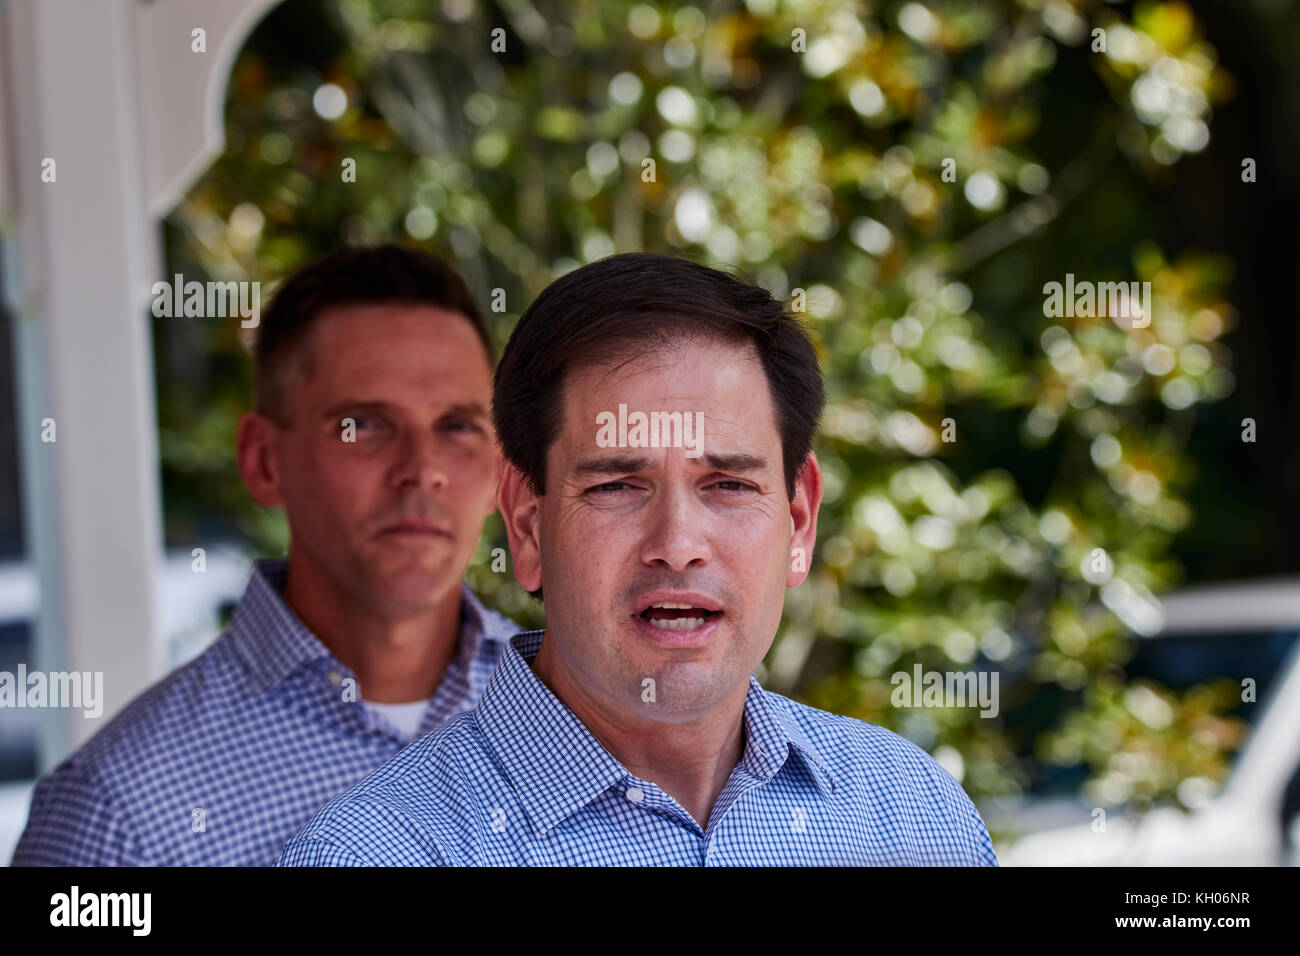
pixel 618 354
pixel 296 358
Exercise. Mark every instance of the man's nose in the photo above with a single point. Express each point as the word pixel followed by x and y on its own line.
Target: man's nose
pixel 675 533
pixel 421 460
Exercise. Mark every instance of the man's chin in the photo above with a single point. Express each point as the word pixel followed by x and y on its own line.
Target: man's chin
pixel 682 698
pixel 400 602
pixel 411 588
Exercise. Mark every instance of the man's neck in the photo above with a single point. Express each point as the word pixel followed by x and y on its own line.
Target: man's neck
pixel 691 761
pixel 395 659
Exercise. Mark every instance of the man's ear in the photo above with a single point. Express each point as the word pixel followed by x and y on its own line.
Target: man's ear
pixel 521 511
pixel 803 520
pixel 256 457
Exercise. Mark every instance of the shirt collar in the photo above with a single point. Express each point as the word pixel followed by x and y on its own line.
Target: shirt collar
pixel 556 764
pixel 772 736
pixel 273 642
pixel 478 621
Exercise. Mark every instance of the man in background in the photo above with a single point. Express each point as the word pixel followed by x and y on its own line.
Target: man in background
pixel 372 431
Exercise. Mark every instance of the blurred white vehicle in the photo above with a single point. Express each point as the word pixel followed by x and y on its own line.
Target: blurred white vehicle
pixel 1254 819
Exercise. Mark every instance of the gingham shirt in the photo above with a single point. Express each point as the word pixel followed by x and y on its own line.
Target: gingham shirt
pixel 224 760
pixel 521 781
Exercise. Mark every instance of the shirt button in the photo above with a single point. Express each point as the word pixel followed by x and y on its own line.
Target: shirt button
pixel 635 794
pixel 335 678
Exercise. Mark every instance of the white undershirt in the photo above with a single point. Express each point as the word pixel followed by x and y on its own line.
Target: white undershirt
pixel 405 717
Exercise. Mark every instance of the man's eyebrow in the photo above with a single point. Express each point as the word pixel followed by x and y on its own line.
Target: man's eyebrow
pixel 472 409
pixel 611 464
pixel 353 405
pixel 738 461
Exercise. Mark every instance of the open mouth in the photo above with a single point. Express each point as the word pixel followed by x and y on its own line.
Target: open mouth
pixel 670 616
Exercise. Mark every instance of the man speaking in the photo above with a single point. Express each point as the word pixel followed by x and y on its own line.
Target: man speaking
pixel 631 730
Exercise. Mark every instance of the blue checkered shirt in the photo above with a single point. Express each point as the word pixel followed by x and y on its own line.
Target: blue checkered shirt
pixel 521 781
pixel 224 760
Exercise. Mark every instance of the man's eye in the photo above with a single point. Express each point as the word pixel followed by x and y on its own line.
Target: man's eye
pixel 610 488
pixel 734 486
pixel 466 427
pixel 365 423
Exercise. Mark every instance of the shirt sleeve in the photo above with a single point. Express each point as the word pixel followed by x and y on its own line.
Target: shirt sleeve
pixel 318 851
pixel 314 851
pixel 363 832
pixel 967 840
pixel 74 822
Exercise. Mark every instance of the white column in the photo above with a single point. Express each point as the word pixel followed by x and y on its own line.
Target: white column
pixel 115 93
pixel 79 276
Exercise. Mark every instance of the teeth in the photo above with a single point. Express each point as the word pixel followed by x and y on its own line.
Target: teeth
pixel 681 624
pixel 670 606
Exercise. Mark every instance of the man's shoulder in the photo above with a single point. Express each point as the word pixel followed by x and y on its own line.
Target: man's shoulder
pixel 892 774
pixel 867 752
pixel 98 805
pixel 456 743
pixel 408 811
pixel 836 732
pixel 135 741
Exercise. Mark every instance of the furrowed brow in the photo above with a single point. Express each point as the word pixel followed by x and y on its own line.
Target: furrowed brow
pixel 610 464
pixel 739 462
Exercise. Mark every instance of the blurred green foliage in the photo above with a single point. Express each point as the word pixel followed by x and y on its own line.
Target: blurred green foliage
pixel 976 453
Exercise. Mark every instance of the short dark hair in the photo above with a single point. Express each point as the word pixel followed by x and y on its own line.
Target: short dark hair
pixel 358 275
pixel 639 301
